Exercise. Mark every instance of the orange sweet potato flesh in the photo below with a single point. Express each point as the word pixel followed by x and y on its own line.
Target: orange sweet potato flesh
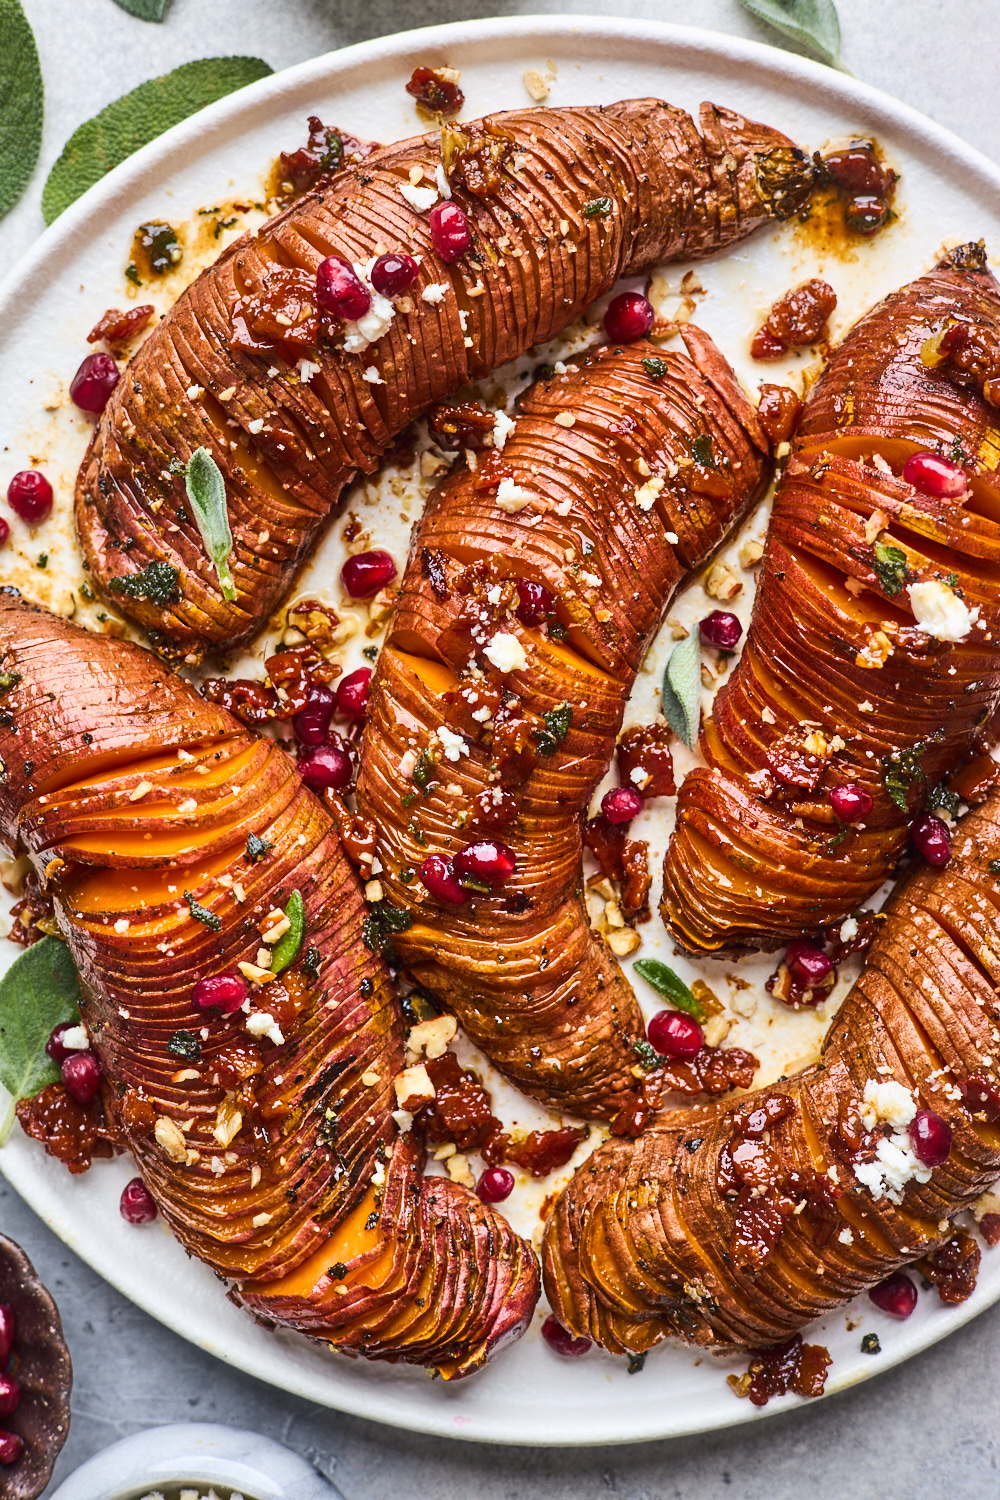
pixel 531 984
pixel 754 862
pixel 130 793
pixel 640 1245
pixel 635 183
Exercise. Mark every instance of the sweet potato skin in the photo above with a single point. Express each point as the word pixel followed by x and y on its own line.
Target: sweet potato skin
pixel 661 191
pixel 834 648
pixel 641 1243
pixel 536 990
pixel 113 762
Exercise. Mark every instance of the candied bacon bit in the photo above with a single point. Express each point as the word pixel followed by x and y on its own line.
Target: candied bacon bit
pixel 514 750
pixel 646 748
pixel 636 880
pixel 137 1112
pixel 989 1228
pixel 606 842
pixel 868 922
pixel 327 152
pixel 953 1268
pixel 436 95
pixel 434 567
pixel 115 327
pixel 33 917
pixel 974 781
pixel 473 156
pixel 761 1216
pixel 461 424
pixel 797 319
pixel 791 1366
pixel 73 1133
pixel 235 1063
pixel 461 1110
pixel 295 671
pixel 494 809
pixel 545 1151
pixel 492 473
pixel 358 834
pixel 792 765
pixel 778 412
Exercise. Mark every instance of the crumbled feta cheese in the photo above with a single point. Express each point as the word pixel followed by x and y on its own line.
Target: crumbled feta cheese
pixel 559 368
pixel 189 805
pixel 938 610
pixel 75 1039
pixel 645 494
pixel 443 185
pixel 671 537
pixel 848 929
pixel 846 1236
pixel 419 198
pixel 194 391
pixel 403 1119
pixel 503 426
pixel 591 580
pixel 436 291
pixel 506 653
pixel 454 743
pixel 372 376
pixel 370 1079
pixel 362 332
pixel 374 891
pixel 307 369
pixel 494 594
pixel 261 1023
pixel 122 925
pixel 259 1220
pixel 511 497
pixel 894 1166
pixel 887 1104
pixel 257 425
pixel 639 777
pixel 407 764
pixel 378 1176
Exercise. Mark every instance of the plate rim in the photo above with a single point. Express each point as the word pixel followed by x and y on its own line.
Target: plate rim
pixel 692 45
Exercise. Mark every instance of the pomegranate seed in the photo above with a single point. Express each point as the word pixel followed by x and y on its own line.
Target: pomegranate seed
pixel 621 804
pixel 561 1340
pixel 450 232
pixel 225 992
pixel 721 629
pixel 54 1046
pixel 29 496
pixel 932 838
pixel 438 875
pixel 392 274
pixel 6 1331
pixel 534 602
pixel 930 1137
pixel 981 1095
pixel 11 1447
pixel 485 860
pixel 312 722
pixel 327 766
pixel 366 573
pixel 933 475
pixel 675 1034
pixel 629 317
pixel 91 386
pixel 352 693
pixel 850 802
pixel 4 531
pixel 81 1074
pixel 10 1395
pixel 495 1185
pixel 339 289
pixel 896 1295
pixel 807 963
pixel 136 1204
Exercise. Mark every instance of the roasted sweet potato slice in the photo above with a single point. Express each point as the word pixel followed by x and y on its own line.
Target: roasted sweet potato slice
pixel 580 197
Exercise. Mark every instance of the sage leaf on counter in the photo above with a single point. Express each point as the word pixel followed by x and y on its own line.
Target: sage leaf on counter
pixel 39 991
pixel 21 103
pixel 814 24
pixel 206 492
pixel 682 689
pixel 286 949
pixel 146 10
pixel 138 118
pixel 670 985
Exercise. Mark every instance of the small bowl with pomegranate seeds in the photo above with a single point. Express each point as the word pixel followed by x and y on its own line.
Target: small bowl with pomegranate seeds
pixel 35 1378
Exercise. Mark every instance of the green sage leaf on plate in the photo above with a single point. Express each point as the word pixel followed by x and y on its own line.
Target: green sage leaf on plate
pixel 682 689
pixel 21 103
pixel 670 985
pixel 206 492
pixel 146 10
pixel 39 992
pixel 812 23
pixel 286 949
pixel 138 118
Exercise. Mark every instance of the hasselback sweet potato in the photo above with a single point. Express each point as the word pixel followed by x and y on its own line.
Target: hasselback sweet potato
pixel 736 1226
pixel 172 841
pixel 495 707
pixel 560 204
pixel 872 654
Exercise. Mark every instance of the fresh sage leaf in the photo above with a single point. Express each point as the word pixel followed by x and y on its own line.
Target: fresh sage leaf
pixel 206 492
pixel 670 985
pixel 21 103
pixel 682 689
pixel 286 949
pixel 812 23
pixel 146 10
pixel 39 992
pixel 138 118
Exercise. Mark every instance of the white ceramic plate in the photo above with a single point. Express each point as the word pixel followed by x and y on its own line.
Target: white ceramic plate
pixel 948 192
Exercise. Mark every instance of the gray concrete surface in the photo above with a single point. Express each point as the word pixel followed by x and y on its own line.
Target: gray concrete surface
pixel 928 1431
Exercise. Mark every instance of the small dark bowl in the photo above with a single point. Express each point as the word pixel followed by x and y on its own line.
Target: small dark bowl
pixel 41 1362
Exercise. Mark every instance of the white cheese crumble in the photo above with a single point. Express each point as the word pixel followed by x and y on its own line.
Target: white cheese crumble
pixel 443 185
pixel 895 1164
pixel 848 929
pixel 262 1023
pixel 358 335
pixel 511 497
pixel 75 1039
pixel 938 610
pixel 887 1104
pixel 307 369
pixel 418 197
pixel 645 494
pixel 453 743
pixel 372 376
pixel 257 425
pixel 436 291
pixel 503 426
pixel 506 653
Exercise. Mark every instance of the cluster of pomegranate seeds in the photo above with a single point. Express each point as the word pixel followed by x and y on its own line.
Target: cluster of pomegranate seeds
pixel 91 386
pixel 225 992
pixel 851 802
pixel 326 766
pixel 896 1295
pixel 450 232
pixel 932 839
pixel 534 602
pixel 485 861
pixel 393 274
pixel 561 1340
pixel 933 475
pixel 352 693
pixel 930 1137
pixel 81 1076
pixel 366 572
pixel 340 290
pixel 438 875
pixel 312 722
pixel 721 629
pixel 11 1446
pixel 136 1204
pixel 29 496
pixel 675 1034
pixel 629 317
pixel 496 1184
pixel 621 804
